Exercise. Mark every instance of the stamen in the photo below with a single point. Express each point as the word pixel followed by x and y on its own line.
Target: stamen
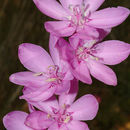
pixel 51 79
pixel 67 119
pixel 80 14
pixel 71 8
pixel 39 74
pixel 64 106
pixel 48 116
pixel 90 43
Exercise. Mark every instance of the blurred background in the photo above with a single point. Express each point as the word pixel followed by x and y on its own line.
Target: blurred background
pixel 21 21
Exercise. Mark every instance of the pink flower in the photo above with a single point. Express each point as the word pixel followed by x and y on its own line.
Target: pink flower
pixel 47 75
pixel 75 15
pixel 86 56
pixel 15 121
pixel 63 114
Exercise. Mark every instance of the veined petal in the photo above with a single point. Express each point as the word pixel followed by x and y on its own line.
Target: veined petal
pixel 93 4
pixel 54 126
pixel 64 87
pixel 109 17
pixel 38 120
pixel 67 3
pixel 34 57
pixel 51 8
pixel 27 78
pixel 47 105
pixel 68 98
pixel 89 33
pixel 112 52
pixel 103 33
pixel 102 72
pixel 82 73
pixel 68 76
pixel 15 121
pixel 60 28
pixel 85 108
pixel 64 49
pixel 53 50
pixel 39 95
pixel 77 125
pixel 75 40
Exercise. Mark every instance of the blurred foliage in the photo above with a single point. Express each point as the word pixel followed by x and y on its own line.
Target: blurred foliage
pixel 21 21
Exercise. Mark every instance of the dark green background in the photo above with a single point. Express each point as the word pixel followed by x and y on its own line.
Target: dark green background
pixel 21 21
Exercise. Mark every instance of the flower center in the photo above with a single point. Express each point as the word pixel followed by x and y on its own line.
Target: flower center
pixel 80 14
pixel 52 75
pixel 86 51
pixel 61 116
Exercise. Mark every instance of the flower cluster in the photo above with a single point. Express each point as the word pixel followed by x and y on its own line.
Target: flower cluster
pixel 69 62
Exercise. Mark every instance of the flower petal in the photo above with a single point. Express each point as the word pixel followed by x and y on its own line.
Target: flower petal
pixel 109 17
pixel 64 87
pixel 60 28
pixel 68 98
pixel 54 126
pixel 51 8
pixel 88 34
pixel 38 120
pixel 53 50
pixel 102 72
pixel 47 105
pixel 93 4
pixel 85 108
pixel 67 3
pixel 77 125
pixel 34 57
pixel 103 33
pixel 81 73
pixel 15 121
pixel 39 95
pixel 27 78
pixel 112 52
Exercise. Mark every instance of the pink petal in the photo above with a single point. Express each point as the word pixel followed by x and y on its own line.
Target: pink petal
pixel 65 50
pixel 112 52
pixel 109 17
pixel 39 95
pixel 68 76
pixel 65 69
pixel 88 33
pixel 51 8
pixel 81 72
pixel 15 121
pixel 54 126
pixel 47 105
pixel 53 50
pixel 85 108
pixel 93 4
pixel 31 108
pixel 38 120
pixel 68 98
pixel 27 78
pixel 77 125
pixel 64 87
pixel 103 33
pixel 102 72
pixel 34 57
pixel 66 3
pixel 60 28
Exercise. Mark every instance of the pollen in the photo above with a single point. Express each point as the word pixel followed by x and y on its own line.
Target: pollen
pixel 38 74
pixel 67 119
pixel 48 116
pixel 51 79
